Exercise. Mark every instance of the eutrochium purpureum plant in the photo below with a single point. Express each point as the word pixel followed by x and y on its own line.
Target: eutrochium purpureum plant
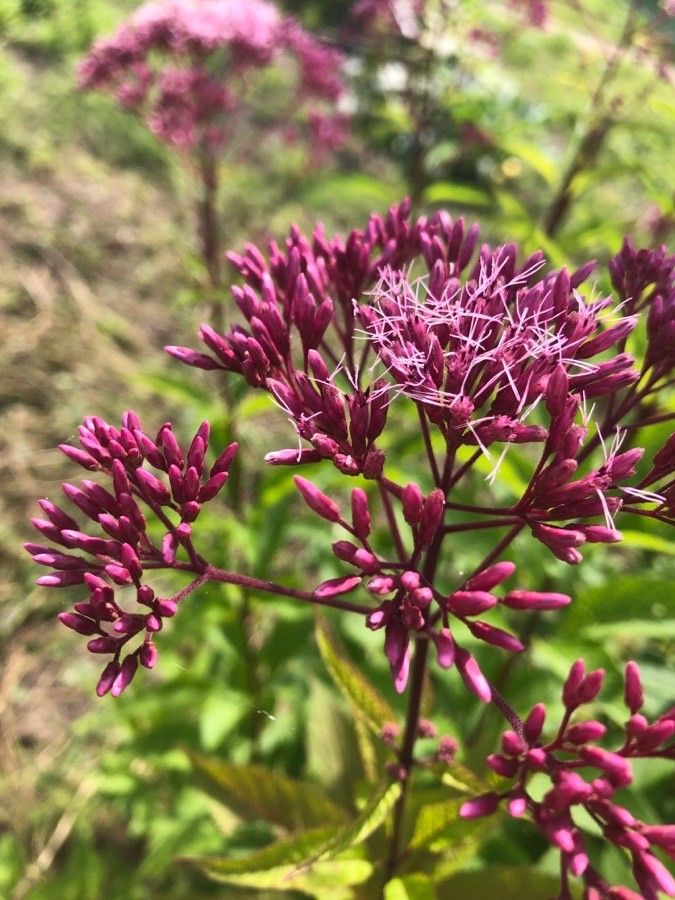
pixel 495 353
pixel 194 72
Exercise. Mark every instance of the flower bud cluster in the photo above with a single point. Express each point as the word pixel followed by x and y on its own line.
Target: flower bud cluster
pixel 114 558
pixel 569 760
pixel 178 65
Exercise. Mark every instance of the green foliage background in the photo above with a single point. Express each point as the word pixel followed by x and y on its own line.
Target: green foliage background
pixel 100 799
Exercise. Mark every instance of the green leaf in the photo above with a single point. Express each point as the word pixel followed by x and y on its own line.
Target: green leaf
pixel 357 689
pixel 433 820
pixel 410 887
pixel 220 712
pixel 276 868
pixel 633 596
pixel 255 792
pixel 463 194
pixel 648 542
pixel 632 629
pixel 371 818
pixel 507 883
pixel 531 155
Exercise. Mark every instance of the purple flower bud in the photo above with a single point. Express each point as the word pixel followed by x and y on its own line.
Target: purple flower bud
pixel 472 676
pixel 148 655
pixel 512 743
pixel 107 678
pixel 584 732
pixel 153 487
pixel 166 607
pixel 209 490
pixel 366 561
pixel 104 644
pixel 557 389
pixel 656 735
pixel 431 517
pixel 657 873
pixel 497 637
pixel 224 461
pixel 316 500
pixel 445 648
pixel 534 723
pixel 615 767
pixel 484 805
pixel 125 675
pixel 412 501
pixel 61 579
pixel 78 623
pixel 502 765
pixel 517 805
pixel 610 336
pixel 336 586
pixel 536 758
pixel 491 577
pixel 381 584
pixel 623 465
pixel 470 603
pixel 397 651
pixel 56 515
pixel 373 465
pixel 292 457
pixel 360 513
pixel 590 686
pixel 536 600
pixel 192 358
pixel 600 534
pixel 344 550
pixel 633 695
pixel 119 574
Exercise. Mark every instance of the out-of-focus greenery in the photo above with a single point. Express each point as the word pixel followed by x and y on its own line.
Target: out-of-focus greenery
pixel 99 798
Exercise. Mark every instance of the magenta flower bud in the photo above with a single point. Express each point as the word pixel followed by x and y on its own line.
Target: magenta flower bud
pixel 316 500
pixel 559 540
pixel 81 457
pixel 78 623
pixel 57 516
pixel 656 734
pixel 336 586
pixel 61 579
pixel 502 765
pixel 591 686
pixel 470 603
pixel 104 644
pixel 536 758
pixel 224 461
pixel 608 337
pixel 190 511
pixel 517 805
pixel 125 675
pixel 633 694
pixel 131 562
pixel 600 534
pixel 657 873
pixel 615 767
pixel 325 446
pixel 397 651
pixel 472 676
pixel 512 743
pixel 381 584
pixel 169 548
pixel 412 501
pixel 483 805
pixel 360 513
pixel 166 607
pixel 212 487
pixel 536 600
pixel 410 580
pixel 366 561
pixel 557 389
pixel 445 648
pixel 431 517
pixel 107 678
pixel 153 487
pixel 344 550
pixel 497 637
pixel 584 732
pixel 147 656
pixel 421 597
pixel 623 465
pixel 373 465
pixel 119 574
pixel 192 358
pixel 534 723
pixel 380 616
pixel 491 577
pixel 292 457
pixel 661 835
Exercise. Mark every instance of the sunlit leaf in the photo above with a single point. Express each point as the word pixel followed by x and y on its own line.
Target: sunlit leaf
pixel 410 887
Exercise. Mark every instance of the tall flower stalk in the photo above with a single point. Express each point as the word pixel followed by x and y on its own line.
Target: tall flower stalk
pixel 489 350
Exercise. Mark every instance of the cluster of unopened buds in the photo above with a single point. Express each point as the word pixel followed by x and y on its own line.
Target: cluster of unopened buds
pixel 487 351
pixel 572 751
pixel 183 65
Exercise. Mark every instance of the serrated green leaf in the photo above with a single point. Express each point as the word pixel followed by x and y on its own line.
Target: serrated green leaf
pixel 255 792
pixel 276 868
pixel 410 887
pixel 371 818
pixel 357 689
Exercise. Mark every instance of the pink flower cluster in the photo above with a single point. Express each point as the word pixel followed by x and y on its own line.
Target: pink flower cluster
pixel 569 761
pixel 122 552
pixel 181 65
